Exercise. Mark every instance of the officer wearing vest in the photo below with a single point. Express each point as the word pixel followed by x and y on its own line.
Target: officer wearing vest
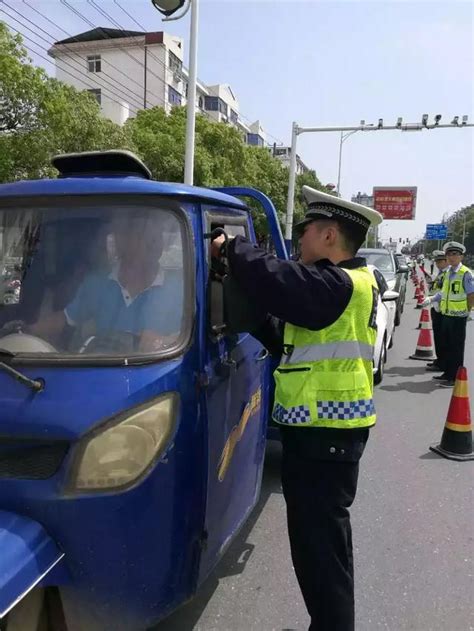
pixel 456 299
pixel 322 325
pixel 435 286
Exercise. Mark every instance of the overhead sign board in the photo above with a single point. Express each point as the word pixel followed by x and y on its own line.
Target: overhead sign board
pixel 395 202
pixel 436 231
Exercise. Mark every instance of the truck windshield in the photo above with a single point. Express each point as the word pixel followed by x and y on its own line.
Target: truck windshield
pixel 86 279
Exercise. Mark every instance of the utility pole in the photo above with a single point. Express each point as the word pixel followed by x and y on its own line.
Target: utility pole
pixel 400 126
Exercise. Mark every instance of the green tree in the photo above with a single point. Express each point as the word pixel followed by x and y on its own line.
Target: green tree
pixel 222 158
pixel 40 117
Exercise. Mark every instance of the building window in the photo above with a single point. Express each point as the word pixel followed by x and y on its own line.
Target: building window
pixel 174 62
pixel 211 103
pixel 97 93
pixel 215 104
pixel 174 97
pixel 234 117
pixel 255 139
pixel 94 63
pixel 201 102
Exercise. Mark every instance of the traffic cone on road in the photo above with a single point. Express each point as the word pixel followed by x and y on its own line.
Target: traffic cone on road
pixel 456 441
pixel 417 291
pixel 425 318
pixel 425 348
pixel 420 299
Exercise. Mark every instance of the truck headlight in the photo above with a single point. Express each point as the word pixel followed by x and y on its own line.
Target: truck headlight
pixel 120 451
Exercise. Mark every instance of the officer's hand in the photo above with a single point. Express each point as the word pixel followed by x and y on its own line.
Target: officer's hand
pixel 426 302
pixel 216 245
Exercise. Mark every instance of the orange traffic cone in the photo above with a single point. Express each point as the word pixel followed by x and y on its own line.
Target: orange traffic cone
pixel 425 318
pixel 425 348
pixel 456 441
pixel 420 299
pixel 417 291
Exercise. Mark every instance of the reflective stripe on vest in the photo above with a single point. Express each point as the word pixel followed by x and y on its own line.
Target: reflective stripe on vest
pixel 326 377
pixel 332 350
pixel 454 298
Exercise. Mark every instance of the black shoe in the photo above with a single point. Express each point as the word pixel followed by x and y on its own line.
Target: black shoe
pixel 434 368
pixel 443 377
pixel 447 383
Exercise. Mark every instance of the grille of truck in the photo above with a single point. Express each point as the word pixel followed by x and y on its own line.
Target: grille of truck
pixel 31 460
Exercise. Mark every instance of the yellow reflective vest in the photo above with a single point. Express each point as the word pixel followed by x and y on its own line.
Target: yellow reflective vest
pixel 325 378
pixel 453 295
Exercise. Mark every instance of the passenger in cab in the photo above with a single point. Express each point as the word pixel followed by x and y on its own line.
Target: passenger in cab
pixel 130 298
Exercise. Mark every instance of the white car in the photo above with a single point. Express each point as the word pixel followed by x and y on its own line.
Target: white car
pixel 386 311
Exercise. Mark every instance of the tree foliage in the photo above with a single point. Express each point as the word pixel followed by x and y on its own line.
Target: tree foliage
pixel 222 158
pixel 460 224
pixel 40 117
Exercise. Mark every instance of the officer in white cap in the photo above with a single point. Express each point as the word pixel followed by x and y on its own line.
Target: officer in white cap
pixel 455 299
pixel 322 324
pixel 435 286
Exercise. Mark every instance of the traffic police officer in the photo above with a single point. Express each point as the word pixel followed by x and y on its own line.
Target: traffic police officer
pixel 322 324
pixel 456 299
pixel 435 286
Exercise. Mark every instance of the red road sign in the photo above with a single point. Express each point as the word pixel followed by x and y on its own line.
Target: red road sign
pixel 395 202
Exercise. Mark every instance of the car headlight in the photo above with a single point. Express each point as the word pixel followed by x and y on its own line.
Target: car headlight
pixel 391 284
pixel 123 449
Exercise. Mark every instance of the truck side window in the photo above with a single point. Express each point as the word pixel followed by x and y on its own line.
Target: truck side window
pixel 233 226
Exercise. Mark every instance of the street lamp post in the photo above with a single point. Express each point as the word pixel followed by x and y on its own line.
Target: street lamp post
pixel 296 131
pixel 344 137
pixel 168 8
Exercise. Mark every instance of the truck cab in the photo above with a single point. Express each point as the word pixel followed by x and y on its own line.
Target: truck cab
pixel 133 419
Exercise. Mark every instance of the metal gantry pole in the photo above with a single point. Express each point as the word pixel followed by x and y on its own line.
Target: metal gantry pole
pixel 290 204
pixel 341 140
pixel 296 131
pixel 191 102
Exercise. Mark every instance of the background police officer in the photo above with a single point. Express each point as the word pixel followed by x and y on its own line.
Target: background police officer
pixel 323 326
pixel 435 286
pixel 456 299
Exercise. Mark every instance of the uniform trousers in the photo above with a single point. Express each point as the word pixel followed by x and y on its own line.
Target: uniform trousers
pixel 454 338
pixel 318 494
pixel 440 350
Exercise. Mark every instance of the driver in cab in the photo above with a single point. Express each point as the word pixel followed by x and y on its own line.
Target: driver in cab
pixel 131 299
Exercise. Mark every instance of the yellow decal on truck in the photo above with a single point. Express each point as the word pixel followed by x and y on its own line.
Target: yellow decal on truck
pixel 236 434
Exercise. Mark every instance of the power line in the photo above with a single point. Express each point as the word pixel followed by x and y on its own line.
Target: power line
pixel 104 13
pixel 87 21
pixel 113 81
pixel 68 72
pixel 92 25
pixel 142 28
pixel 159 98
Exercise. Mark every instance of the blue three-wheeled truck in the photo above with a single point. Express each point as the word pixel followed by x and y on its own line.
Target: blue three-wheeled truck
pixel 132 417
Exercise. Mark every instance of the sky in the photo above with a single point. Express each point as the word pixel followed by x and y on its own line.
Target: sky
pixel 329 64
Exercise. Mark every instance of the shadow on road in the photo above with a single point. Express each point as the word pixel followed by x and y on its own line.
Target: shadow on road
pixel 235 559
pixel 430 455
pixel 416 387
pixel 406 371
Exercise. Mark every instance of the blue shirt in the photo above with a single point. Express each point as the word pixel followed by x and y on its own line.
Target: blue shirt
pixel 103 300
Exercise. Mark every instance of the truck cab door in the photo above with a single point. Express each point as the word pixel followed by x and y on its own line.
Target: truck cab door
pixel 235 409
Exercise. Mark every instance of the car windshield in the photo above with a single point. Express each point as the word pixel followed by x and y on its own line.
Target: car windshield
pixel 102 280
pixel 382 260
